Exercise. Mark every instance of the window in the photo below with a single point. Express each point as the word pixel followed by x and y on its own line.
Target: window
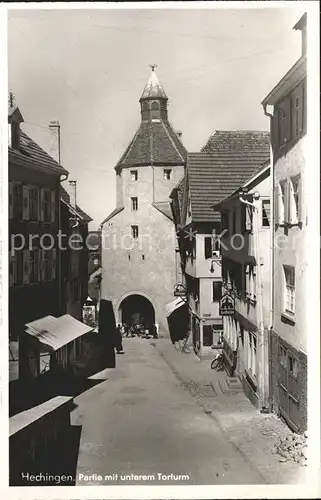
pixel 47 205
pixel 154 106
pixel 167 174
pixel 289 289
pixel 33 203
pixel 47 265
pixel 217 291
pixel 135 232
pixel 134 175
pixel 34 265
pixel 17 201
pixel 282 207
pixel 208 247
pixel 134 203
pixel 266 213
pixel 252 347
pixel 250 282
pixel 296 116
pixel 293 366
pixel 282 126
pixel 283 357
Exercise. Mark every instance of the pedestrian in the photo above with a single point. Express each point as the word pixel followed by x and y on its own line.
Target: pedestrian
pixel 119 344
pixel 154 332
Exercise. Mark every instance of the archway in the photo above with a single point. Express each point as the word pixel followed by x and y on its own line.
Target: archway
pixel 137 309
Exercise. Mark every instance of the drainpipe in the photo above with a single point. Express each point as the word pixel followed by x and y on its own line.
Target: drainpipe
pixel 270 327
pixel 259 303
pixel 60 278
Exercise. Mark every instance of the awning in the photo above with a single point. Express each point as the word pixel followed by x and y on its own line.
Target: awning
pixel 54 333
pixel 172 306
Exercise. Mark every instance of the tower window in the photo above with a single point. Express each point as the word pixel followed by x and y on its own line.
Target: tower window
pixel 167 174
pixel 135 232
pixel 155 106
pixel 134 175
pixel 134 203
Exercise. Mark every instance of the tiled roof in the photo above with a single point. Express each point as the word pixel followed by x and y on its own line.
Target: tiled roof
pixel 112 214
pixel 238 141
pixel 64 196
pixel 213 177
pixel 165 208
pixel 34 156
pixel 155 143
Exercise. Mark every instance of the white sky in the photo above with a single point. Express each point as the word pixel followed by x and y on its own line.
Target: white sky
pixel 87 69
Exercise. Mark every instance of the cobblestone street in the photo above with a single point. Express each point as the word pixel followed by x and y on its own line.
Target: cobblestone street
pixel 164 412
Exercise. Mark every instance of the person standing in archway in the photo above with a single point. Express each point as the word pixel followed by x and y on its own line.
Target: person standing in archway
pixel 119 340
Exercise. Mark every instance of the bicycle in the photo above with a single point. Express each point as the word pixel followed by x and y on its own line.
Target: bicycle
pixel 218 363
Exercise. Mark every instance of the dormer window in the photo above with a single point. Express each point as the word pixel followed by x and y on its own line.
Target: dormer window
pixel 14 120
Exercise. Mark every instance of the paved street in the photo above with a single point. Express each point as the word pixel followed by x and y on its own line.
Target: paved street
pixel 142 421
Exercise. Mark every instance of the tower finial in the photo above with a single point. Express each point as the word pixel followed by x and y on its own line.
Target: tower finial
pixel 153 66
pixel 11 99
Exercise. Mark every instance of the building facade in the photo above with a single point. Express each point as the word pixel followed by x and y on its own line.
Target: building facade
pixel 288 341
pixel 245 247
pixel 138 237
pixel 34 257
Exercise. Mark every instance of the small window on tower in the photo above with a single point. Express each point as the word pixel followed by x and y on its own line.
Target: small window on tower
pixel 134 175
pixel 155 106
pixel 134 203
pixel 167 174
pixel 135 232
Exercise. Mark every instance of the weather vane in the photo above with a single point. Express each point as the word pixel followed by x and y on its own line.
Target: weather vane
pixel 153 66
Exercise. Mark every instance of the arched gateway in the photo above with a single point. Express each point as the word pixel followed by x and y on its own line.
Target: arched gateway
pixel 136 309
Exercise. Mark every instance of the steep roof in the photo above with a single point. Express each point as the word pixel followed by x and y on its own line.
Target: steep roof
pixel 32 155
pixel 215 176
pixel 65 197
pixel 112 214
pixel 155 143
pixel 165 208
pixel 238 141
pixel 153 89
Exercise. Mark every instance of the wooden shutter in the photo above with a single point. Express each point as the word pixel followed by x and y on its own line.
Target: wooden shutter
pixel 26 266
pixel 42 205
pixel 287 202
pixel 53 206
pixel 248 218
pixel 10 194
pixel 54 263
pixel 300 199
pixel 25 202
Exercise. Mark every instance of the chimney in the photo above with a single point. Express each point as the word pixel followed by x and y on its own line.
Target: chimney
pixel 302 26
pixel 73 193
pixel 54 127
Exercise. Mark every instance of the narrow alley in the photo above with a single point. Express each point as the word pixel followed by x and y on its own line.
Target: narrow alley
pixel 141 421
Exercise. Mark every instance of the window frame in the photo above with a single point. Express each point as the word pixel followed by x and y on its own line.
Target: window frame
pixel 289 291
pixel 135 232
pixel 134 175
pixel 34 205
pixel 167 174
pixel 134 203
pixel 216 297
pixel 266 218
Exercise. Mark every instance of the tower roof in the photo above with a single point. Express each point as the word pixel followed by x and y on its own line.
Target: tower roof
pixel 153 89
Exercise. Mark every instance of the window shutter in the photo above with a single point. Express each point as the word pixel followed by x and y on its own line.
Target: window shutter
pixel 287 202
pixel 247 281
pixel 53 206
pixel 208 247
pixel 287 111
pixel 300 199
pixel 248 221
pixel 25 202
pixel 26 266
pixel 54 263
pixel 42 205
pixel 10 209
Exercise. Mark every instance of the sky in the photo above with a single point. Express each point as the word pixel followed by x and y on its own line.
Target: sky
pixel 88 68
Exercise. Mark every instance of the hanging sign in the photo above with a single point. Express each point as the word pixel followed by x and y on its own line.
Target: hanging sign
pixel 179 291
pixel 227 305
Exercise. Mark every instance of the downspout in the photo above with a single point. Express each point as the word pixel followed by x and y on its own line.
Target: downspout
pixel 262 371
pixel 60 279
pixel 270 327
